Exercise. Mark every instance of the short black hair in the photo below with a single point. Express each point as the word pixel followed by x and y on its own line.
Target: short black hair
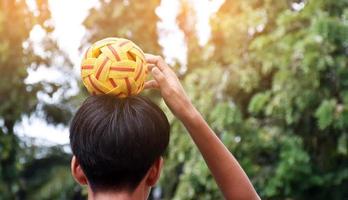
pixel 116 140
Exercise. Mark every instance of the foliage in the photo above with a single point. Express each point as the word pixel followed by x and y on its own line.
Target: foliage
pixel 271 81
pixel 47 176
pixel 135 20
pixel 274 91
pixel 19 99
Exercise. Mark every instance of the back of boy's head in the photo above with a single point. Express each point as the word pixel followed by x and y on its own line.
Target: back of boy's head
pixel 116 141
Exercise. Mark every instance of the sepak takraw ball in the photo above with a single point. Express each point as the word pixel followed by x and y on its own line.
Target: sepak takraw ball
pixel 114 66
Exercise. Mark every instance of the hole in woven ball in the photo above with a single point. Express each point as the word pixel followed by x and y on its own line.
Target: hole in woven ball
pixel 96 53
pixel 131 56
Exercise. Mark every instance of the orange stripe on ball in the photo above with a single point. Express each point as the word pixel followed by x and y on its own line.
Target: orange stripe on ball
pixel 101 67
pixel 123 69
pixel 94 86
pixel 129 89
pixel 113 82
pixel 114 52
pixel 87 67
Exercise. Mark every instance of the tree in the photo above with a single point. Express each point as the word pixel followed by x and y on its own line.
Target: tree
pixel 18 98
pixel 271 82
pixel 274 91
pixel 135 20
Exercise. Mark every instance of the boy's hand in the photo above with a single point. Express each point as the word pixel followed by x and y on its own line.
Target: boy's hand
pixel 230 177
pixel 168 83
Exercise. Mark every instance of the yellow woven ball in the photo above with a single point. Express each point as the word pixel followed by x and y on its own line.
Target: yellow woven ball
pixel 114 66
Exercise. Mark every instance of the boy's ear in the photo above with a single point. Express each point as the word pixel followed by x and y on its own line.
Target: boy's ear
pixel 77 172
pixel 154 172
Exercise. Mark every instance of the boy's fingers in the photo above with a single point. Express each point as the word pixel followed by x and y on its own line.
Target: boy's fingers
pixel 156 60
pixel 150 58
pixel 150 66
pixel 159 77
pixel 151 84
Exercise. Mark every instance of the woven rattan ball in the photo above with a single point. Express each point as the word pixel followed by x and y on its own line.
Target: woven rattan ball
pixel 114 66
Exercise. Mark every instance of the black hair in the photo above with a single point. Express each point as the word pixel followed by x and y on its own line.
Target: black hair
pixel 116 140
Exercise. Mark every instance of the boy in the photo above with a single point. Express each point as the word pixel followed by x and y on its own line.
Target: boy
pixel 117 144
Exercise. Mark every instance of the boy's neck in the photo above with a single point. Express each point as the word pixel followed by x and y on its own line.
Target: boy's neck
pixel 140 193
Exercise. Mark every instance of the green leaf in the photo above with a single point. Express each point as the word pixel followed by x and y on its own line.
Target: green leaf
pixel 258 102
pixel 325 113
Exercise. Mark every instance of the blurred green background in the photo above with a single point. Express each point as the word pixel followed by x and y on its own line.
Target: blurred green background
pixel 271 78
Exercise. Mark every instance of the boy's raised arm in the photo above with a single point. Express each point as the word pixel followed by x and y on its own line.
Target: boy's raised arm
pixel 228 174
